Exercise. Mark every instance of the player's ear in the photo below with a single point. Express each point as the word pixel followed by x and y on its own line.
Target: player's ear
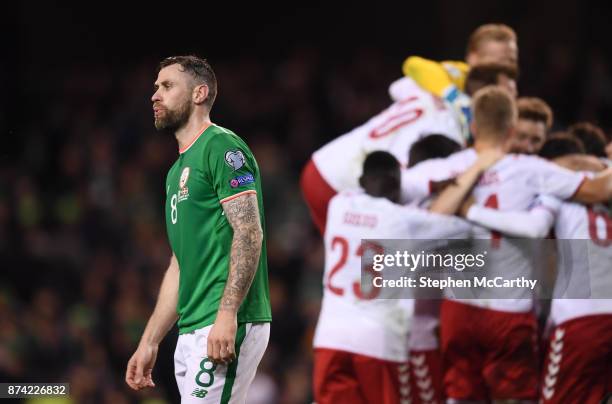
pixel 362 182
pixel 471 58
pixel 511 132
pixel 200 93
pixel 473 129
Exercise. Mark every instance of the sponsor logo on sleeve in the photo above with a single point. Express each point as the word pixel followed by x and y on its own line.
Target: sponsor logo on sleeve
pixel 242 180
pixel 234 159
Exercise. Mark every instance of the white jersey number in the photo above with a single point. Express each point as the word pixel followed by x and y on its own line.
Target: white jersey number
pixel 173 211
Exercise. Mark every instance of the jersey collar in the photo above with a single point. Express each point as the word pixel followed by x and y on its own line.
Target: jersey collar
pixel 196 137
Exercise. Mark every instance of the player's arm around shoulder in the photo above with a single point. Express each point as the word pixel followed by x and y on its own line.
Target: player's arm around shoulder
pixel 242 213
pixel 596 189
pixel 450 200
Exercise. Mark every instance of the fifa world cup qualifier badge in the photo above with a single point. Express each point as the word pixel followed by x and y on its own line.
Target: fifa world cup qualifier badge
pixel 183 192
pixel 234 159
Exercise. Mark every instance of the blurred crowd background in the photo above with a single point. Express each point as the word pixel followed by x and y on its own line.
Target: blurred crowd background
pixel 82 237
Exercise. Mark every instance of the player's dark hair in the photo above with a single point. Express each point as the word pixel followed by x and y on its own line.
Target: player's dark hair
pixel 379 162
pixel 487 74
pixel 560 145
pixel 381 175
pixel 431 146
pixel 592 136
pixel 199 69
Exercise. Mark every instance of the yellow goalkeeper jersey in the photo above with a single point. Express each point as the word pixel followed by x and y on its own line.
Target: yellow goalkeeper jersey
pixel 440 78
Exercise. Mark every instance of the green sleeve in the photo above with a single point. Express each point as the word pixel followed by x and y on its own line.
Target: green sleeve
pixel 232 167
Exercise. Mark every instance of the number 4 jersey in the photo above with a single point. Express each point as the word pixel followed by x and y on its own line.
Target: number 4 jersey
pixel 512 184
pixel 215 168
pixel 356 320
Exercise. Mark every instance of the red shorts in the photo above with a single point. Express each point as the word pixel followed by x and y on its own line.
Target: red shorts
pixel 317 193
pixel 488 354
pixel 348 378
pixel 578 364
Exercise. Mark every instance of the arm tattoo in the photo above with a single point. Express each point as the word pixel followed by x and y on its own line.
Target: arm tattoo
pixel 243 215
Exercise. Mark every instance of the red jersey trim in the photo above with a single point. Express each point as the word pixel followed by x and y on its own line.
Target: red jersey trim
pixel 200 133
pixel 229 198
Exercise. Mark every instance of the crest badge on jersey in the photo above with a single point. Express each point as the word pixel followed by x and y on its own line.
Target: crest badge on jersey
pixel 234 159
pixel 183 192
pixel 184 177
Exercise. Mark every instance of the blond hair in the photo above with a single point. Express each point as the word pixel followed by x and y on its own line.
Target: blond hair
pixel 490 32
pixel 494 111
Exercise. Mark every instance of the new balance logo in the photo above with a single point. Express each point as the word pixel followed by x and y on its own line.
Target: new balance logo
pixel 199 393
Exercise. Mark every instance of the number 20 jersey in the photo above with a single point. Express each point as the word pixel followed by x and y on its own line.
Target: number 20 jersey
pixel 415 115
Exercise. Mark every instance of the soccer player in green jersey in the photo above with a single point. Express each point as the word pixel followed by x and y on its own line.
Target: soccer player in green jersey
pixel 216 285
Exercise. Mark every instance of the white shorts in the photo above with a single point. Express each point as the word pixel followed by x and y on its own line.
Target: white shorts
pixel 200 381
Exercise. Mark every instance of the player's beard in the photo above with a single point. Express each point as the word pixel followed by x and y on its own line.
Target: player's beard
pixel 173 120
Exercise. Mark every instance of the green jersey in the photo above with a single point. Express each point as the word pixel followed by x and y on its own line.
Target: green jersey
pixel 215 168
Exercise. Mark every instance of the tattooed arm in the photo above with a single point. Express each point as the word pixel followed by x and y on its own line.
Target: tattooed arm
pixel 243 215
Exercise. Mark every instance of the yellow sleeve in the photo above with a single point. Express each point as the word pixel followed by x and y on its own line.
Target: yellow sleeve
pixel 437 77
pixel 428 74
pixel 445 80
pixel 457 71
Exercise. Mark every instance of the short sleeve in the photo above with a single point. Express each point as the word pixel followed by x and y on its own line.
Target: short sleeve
pixel 233 170
pixel 555 180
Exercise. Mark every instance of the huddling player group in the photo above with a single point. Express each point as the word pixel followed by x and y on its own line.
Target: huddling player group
pixel 457 155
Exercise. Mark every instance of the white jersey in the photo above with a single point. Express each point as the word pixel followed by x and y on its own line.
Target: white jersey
pixel 416 114
pixel 521 175
pixel 352 319
pixel 513 183
pixel 590 261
